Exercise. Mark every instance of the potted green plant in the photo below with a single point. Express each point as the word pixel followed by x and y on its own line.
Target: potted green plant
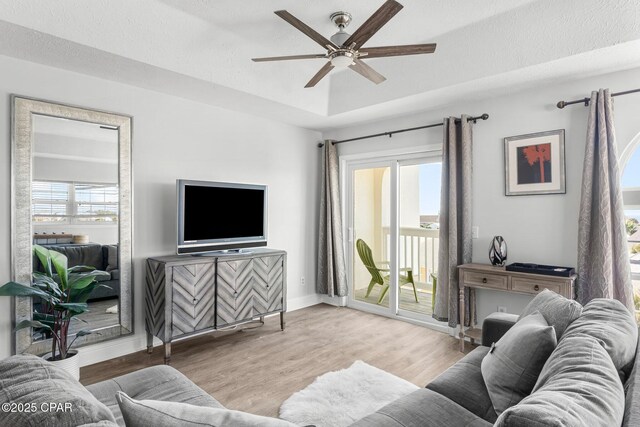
pixel 62 294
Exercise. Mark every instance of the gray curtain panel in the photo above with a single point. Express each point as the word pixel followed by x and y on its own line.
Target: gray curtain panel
pixel 455 220
pixel 603 257
pixel 332 276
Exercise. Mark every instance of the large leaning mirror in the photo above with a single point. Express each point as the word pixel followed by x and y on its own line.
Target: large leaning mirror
pixel 71 192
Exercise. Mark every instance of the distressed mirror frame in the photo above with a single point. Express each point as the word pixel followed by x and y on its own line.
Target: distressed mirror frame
pixel 23 110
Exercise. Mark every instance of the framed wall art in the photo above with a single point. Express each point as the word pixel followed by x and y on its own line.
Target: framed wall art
pixel 535 164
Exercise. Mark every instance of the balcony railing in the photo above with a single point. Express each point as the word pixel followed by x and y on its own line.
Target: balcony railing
pixel 418 250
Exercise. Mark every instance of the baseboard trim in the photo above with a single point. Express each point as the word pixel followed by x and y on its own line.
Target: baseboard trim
pixel 303 302
pixel 337 301
pixel 111 349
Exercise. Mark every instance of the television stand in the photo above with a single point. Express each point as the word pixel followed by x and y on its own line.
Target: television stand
pixel 190 296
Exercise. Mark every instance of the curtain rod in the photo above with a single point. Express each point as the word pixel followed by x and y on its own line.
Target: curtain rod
pixel 586 101
pixel 484 116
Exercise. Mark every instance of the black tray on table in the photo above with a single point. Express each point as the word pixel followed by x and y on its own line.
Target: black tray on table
pixel 549 270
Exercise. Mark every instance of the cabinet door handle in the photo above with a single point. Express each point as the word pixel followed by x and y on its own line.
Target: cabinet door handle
pixel 536 288
pixel 484 280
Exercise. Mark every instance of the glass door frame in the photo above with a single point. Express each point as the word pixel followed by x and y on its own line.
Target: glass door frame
pixel 393 160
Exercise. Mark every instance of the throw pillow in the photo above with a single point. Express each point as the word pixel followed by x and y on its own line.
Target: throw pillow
pixel 511 367
pixel 111 257
pixel 557 310
pixel 33 385
pixel 609 321
pixel 578 386
pixel 143 413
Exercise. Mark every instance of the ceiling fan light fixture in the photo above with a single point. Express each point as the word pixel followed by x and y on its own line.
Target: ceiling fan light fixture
pixel 340 37
pixel 342 59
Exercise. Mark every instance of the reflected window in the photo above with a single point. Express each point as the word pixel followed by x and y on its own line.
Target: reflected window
pixel 71 202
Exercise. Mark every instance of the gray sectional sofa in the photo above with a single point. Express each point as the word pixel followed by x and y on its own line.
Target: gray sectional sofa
pixel 591 378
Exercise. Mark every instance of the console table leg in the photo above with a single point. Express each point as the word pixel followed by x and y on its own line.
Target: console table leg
pixel 461 315
pixel 282 322
pixel 167 353
pixel 149 343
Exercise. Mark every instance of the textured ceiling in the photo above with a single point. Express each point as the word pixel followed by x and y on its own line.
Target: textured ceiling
pixel 201 49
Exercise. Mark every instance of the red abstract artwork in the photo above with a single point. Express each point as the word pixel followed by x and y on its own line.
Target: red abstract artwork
pixel 534 164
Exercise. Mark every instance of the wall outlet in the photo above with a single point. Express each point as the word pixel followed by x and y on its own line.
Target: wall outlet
pixel 475 232
pixel 502 309
pixel 302 281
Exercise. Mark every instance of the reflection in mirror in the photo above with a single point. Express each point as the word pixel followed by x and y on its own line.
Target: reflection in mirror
pixel 74 201
pixel 71 191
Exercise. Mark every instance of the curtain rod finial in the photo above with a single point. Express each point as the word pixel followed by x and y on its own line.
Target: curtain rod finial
pixel 485 116
pixel 561 104
pixel 320 144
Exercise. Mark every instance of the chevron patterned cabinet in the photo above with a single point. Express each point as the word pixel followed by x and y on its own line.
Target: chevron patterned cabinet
pixel 187 295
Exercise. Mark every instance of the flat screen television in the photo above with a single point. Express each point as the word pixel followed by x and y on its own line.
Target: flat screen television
pixel 220 216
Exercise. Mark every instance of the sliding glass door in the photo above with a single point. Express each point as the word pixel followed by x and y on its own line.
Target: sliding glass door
pixel 368 234
pixel 392 207
pixel 418 222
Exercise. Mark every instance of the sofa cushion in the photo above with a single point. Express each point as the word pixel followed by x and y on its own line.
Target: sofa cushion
pixel 102 276
pixel 579 386
pixel 511 367
pixel 89 254
pixel 495 325
pixel 30 380
pixel 463 384
pixel 422 408
pixel 110 255
pixel 557 310
pixel 610 322
pixel 160 382
pixel 143 413
pixel 632 395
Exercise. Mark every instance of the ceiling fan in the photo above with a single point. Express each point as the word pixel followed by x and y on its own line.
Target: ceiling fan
pixel 345 50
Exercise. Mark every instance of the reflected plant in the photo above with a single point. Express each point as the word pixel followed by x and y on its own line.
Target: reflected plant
pixel 63 294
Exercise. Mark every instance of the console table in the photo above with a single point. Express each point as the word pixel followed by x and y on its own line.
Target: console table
pixel 485 276
pixel 187 296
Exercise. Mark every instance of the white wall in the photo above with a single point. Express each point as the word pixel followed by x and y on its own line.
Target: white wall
pixel 538 229
pixel 175 138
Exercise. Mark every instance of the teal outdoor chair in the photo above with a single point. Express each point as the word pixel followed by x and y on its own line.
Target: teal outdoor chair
pixel 380 276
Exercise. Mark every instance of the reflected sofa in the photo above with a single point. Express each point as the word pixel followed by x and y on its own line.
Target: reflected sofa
pixel 101 257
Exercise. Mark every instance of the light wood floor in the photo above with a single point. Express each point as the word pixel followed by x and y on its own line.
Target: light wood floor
pixel 97 316
pixel 256 370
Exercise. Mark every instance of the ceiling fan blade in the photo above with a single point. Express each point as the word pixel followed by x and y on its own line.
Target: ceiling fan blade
pixel 409 49
pixel 363 69
pixel 310 32
pixel 374 23
pixel 286 58
pixel 320 74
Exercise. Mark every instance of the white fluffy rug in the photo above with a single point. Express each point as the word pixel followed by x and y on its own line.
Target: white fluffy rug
pixel 340 398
